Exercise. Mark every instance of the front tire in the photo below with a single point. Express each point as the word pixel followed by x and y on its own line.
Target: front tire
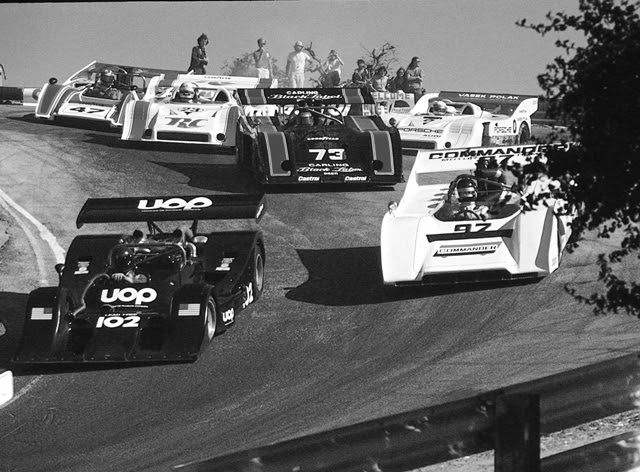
pixel 258 273
pixel 210 319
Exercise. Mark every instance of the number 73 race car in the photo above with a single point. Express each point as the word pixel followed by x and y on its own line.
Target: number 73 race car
pixel 316 136
pixel 473 228
pixel 153 297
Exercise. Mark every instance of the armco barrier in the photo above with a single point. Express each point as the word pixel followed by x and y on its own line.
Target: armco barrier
pixel 6 386
pixel 508 420
pixel 26 95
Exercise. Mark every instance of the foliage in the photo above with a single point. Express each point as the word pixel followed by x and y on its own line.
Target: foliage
pixel 243 66
pixel 594 88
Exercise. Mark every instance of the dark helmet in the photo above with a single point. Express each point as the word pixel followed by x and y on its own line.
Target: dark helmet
pixel 306 118
pixel 107 77
pixel 123 259
pixel 467 189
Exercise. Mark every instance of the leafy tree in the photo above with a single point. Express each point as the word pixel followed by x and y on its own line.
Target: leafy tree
pixel 243 66
pixel 594 88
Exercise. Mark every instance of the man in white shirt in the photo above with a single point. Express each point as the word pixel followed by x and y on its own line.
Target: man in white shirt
pixel 296 63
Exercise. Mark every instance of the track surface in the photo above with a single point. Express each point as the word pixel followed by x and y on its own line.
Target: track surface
pixel 324 347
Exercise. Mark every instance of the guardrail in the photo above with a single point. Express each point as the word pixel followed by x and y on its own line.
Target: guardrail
pixel 26 95
pixel 508 420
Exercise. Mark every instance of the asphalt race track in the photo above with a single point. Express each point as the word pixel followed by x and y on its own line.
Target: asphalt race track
pixel 325 346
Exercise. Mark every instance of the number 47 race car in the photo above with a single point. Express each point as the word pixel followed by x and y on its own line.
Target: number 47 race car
pixel 153 297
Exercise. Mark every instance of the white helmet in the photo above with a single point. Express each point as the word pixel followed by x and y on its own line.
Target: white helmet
pixel 187 91
pixel 439 107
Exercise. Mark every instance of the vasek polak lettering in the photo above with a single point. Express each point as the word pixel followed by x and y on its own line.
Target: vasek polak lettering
pixel 128 295
pixel 175 204
pixel 489 96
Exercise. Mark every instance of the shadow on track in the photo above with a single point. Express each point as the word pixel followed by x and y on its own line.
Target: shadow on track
pixel 352 276
pixel 221 177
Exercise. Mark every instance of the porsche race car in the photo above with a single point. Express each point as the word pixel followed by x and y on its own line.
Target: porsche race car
pixel 160 296
pixel 434 235
pixel 465 119
pixel 76 97
pixel 209 119
pixel 301 136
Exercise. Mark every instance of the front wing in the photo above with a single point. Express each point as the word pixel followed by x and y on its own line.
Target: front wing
pixel 424 250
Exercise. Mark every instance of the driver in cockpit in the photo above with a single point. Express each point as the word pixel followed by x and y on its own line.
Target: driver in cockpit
pixel 467 207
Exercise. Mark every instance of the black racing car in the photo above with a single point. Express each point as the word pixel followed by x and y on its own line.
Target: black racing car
pixel 291 136
pixel 160 296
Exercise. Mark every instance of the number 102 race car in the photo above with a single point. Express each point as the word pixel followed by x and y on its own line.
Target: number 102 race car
pixel 160 296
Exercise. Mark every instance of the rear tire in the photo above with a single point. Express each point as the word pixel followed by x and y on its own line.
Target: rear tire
pixel 524 134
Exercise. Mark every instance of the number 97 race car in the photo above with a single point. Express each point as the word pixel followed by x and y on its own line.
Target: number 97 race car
pixel 160 296
pixel 472 228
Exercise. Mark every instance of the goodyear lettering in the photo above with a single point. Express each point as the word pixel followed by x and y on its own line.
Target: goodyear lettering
pixel 129 294
pixel 175 204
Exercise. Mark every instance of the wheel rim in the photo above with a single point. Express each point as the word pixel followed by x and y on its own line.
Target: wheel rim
pixel 210 320
pixel 259 272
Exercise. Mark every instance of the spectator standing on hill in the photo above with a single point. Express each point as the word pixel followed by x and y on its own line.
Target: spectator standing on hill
pixel 413 78
pixel 199 56
pixel 379 80
pixel 396 84
pixel 262 60
pixel 333 68
pixel 360 77
pixel 296 64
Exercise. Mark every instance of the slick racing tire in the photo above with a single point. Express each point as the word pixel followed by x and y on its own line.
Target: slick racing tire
pixel 210 319
pixel 258 273
pixel 524 134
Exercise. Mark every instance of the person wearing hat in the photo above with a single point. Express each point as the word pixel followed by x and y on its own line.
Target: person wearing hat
pixel 296 63
pixel 333 68
pixel 262 60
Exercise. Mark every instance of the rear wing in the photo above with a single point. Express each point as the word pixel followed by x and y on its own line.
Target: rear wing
pixel 496 103
pixel 232 82
pixel 463 159
pixel 147 72
pixel 325 96
pixel 168 208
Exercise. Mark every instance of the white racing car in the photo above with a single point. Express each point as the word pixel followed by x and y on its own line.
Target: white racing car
pixel 470 228
pixel 207 116
pixel 465 119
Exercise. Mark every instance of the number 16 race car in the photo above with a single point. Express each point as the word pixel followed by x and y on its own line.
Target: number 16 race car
pixel 473 228
pixel 153 297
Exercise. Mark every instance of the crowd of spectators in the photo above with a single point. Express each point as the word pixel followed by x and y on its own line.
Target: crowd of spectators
pixel 408 79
